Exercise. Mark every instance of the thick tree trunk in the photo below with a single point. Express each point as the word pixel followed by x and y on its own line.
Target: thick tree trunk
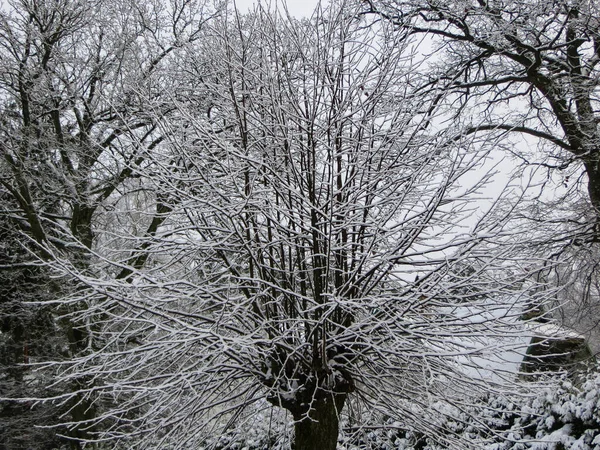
pixel 319 429
pixel 593 172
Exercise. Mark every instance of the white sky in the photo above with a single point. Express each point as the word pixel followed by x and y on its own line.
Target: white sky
pixel 297 8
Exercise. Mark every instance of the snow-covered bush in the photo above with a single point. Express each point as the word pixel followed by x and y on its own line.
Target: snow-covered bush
pixel 561 416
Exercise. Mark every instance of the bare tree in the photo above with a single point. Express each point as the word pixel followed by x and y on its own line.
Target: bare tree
pixel 529 70
pixel 313 247
pixel 526 67
pixel 77 84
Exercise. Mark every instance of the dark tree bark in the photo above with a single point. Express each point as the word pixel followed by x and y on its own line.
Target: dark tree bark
pixel 316 405
pixel 319 428
pixel 593 172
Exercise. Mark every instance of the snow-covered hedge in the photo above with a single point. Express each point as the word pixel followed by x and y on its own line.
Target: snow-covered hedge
pixel 563 418
pixel 558 417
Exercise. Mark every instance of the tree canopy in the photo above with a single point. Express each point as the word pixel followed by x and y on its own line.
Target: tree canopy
pixel 229 213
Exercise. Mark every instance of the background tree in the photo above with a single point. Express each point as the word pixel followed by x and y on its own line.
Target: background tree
pixel 81 87
pixel 528 67
pixel 527 70
pixel 312 247
pixel 26 331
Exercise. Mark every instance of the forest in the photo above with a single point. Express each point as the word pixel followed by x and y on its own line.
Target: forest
pixel 373 227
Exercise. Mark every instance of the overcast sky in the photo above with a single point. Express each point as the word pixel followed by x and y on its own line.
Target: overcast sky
pixel 297 8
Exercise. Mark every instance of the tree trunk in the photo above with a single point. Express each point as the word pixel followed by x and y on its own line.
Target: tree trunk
pixel 320 429
pixel 593 173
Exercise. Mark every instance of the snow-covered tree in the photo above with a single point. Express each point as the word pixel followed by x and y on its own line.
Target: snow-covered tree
pixel 316 214
pixel 80 104
pixel 526 72
pixel 528 67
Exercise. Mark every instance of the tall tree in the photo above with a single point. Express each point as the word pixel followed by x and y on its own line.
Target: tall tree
pixel 77 83
pixel 528 70
pixel 313 247
pixel 528 67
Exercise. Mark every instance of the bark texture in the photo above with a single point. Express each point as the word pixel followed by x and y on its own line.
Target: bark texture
pixel 319 428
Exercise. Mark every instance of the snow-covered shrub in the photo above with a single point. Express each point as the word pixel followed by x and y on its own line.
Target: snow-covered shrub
pixel 561 416
pixel 264 428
